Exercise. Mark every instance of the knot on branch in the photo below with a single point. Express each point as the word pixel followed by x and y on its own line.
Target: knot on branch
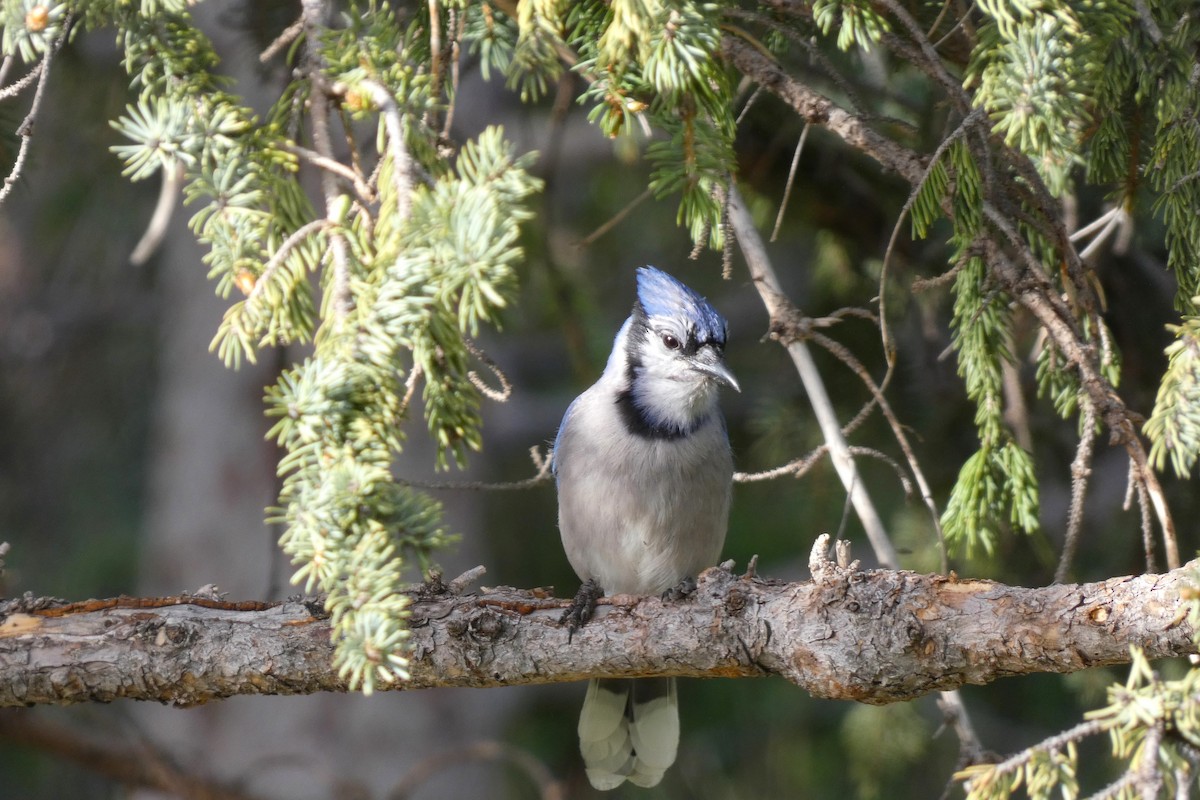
pixel 788 325
pixel 824 568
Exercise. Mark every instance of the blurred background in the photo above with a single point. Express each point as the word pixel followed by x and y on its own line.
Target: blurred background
pixel 132 462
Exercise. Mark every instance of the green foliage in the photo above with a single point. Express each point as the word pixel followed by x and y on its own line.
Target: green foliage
pixel 1174 427
pixel 651 63
pixel 1153 725
pixel 997 485
pixel 405 268
pixel 31 26
pixel 1167 89
pixel 857 23
pixel 417 249
pixel 980 323
pixel 1154 728
pixel 534 63
pixel 1058 382
pixel 1037 66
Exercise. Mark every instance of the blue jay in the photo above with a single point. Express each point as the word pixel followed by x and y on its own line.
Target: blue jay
pixel 644 473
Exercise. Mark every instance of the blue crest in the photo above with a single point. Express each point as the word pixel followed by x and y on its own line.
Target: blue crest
pixel 661 295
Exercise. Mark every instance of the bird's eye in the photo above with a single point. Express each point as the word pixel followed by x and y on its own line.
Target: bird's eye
pixel 670 342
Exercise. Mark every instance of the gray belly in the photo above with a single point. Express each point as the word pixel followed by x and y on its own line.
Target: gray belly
pixel 652 518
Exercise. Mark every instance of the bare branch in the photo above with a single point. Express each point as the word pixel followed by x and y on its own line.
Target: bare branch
pixel 25 129
pixel 164 209
pixel 877 636
pixel 402 167
pixel 281 254
pixel 818 109
pixel 791 181
pixel 616 219
pixel 1033 290
pixel 779 309
pixel 314 13
pixel 289 35
pixel 23 83
pixel 365 193
pixel 1081 470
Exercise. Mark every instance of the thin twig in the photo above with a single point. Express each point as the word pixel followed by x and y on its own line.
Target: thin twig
pixel 544 465
pixel 616 219
pixel 847 358
pixel 1147 528
pixel 1120 221
pixel 459 21
pixel 289 35
pixel 1081 469
pixel 749 103
pixel 435 61
pixel 1099 222
pixel 815 107
pixel 1115 788
pixel 1080 731
pixel 937 22
pixel 763 275
pixel 164 209
pixel 500 395
pixel 25 129
pixel 410 388
pixel 1034 290
pixel 402 170
pixel 962 22
pixel 807 44
pixel 365 193
pixel 928 60
pixel 1016 410
pixel 798 467
pixel 281 253
pixel 1149 776
pixel 791 180
pixel 969 747
pixel 314 12
pixel 889 351
pixel 23 83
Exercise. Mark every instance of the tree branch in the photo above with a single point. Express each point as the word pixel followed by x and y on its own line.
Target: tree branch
pixel 816 108
pixel 876 636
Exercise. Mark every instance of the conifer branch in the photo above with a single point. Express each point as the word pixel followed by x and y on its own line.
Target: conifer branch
pixel 314 13
pixel 814 107
pixel 25 129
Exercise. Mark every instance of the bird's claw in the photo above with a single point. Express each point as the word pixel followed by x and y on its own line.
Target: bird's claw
pixel 580 611
pixel 685 588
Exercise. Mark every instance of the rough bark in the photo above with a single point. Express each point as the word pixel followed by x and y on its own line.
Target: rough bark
pixel 875 636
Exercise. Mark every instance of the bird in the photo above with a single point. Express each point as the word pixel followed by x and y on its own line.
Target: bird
pixel 644 471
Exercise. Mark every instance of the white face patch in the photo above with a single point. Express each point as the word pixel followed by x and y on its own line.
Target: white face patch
pixel 666 386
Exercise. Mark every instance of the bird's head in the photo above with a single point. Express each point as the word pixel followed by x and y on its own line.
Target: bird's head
pixel 675 352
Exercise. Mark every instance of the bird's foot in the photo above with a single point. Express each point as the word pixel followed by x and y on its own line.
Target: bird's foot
pixel 685 588
pixel 581 608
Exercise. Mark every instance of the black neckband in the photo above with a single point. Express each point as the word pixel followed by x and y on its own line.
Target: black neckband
pixel 639 424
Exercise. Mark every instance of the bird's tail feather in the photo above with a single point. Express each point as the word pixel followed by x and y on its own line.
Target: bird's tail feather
pixel 629 730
